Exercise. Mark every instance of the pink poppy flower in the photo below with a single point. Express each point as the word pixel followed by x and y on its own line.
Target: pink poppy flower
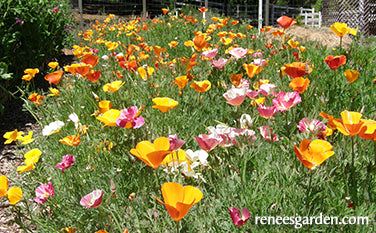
pixel 238 53
pixel 175 143
pixel 266 111
pixel 210 53
pixel 68 160
pixel 43 192
pixel 208 142
pixel 93 199
pixel 257 55
pixel 129 118
pixel 285 101
pixel 235 96
pixel 247 135
pixel 235 216
pixel 311 125
pixel 219 64
pixel 266 132
pixel 253 94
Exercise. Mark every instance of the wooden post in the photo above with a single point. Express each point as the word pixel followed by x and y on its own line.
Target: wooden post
pixel 267 12
pixel 81 17
pixel 144 7
pixel 206 4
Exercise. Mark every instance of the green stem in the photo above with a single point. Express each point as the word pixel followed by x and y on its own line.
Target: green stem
pixel 163 123
pixel 156 174
pixel 353 188
pixel 309 188
pixel 374 151
pixel 177 226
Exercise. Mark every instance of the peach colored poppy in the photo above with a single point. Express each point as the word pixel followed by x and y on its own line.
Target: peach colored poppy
pixel 54 77
pixel 252 69
pixel 179 199
pixel 314 153
pixel 71 140
pixel 350 124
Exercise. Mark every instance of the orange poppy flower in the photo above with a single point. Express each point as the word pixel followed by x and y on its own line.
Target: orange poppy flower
pixel 293 44
pixel 368 130
pixel 286 22
pixel 164 10
pixel 30 73
pixel 109 117
pixel 199 42
pixel 335 61
pixel 179 199
pixel 350 124
pixel 90 59
pixel 72 140
pixel 164 104
pixel 268 45
pixel 104 106
pixel 83 69
pixel 14 194
pixel 93 75
pixel 296 69
pixel 202 9
pixel 201 86
pixel 351 75
pixel 181 81
pixel 236 79
pixel 299 84
pixel 152 154
pixel 278 33
pixel 252 70
pixel 314 153
pixel 330 119
pixel 37 99
pixel 54 77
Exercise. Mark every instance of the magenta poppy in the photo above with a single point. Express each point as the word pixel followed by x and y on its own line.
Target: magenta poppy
pixel 175 142
pixel 285 101
pixel 43 192
pixel 68 160
pixel 267 133
pixel 266 111
pixel 236 218
pixel 208 142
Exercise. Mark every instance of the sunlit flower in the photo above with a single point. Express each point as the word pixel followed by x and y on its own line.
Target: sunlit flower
pixel 30 73
pixel 181 81
pixel 208 142
pixel 201 86
pixel 109 117
pixel 266 111
pixel 54 77
pixel 210 53
pixel 68 160
pixel 90 59
pixel 314 153
pixel 52 128
pixel 341 29
pixel 164 10
pixel 311 125
pixel 297 69
pixel 351 75
pixel 238 53
pixel 164 104
pixel 93 75
pixel 368 130
pixel 71 140
pixel 175 142
pixel 219 64
pixel 350 124
pixel 104 106
pixel 145 71
pixel 152 154
pixel 111 45
pixel 113 87
pixel 293 44
pixel 286 22
pixel 235 216
pixel 203 9
pixel 335 61
pixel 200 42
pixel 12 136
pixel 179 199
pixel 267 133
pixel 27 138
pixel 330 119
pixel 93 199
pixel 14 194
pixel 252 69
pixel 36 98
pixel 299 84
pixel 235 96
pixel 129 118
pixel 54 92
pixel 43 192
pixel 285 101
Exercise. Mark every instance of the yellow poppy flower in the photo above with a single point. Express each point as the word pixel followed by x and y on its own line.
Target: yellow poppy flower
pixel 72 140
pixel 201 86
pixel 113 87
pixel 14 194
pixel 351 75
pixel 350 124
pixel 109 117
pixel 12 136
pixel 252 70
pixel 26 139
pixel 164 104
pixel 341 29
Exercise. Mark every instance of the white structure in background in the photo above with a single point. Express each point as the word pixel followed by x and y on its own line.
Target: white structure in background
pixel 311 18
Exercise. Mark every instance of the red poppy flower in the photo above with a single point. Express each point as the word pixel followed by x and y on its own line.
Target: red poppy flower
pixel 335 61
pixel 286 22
pixel 54 77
